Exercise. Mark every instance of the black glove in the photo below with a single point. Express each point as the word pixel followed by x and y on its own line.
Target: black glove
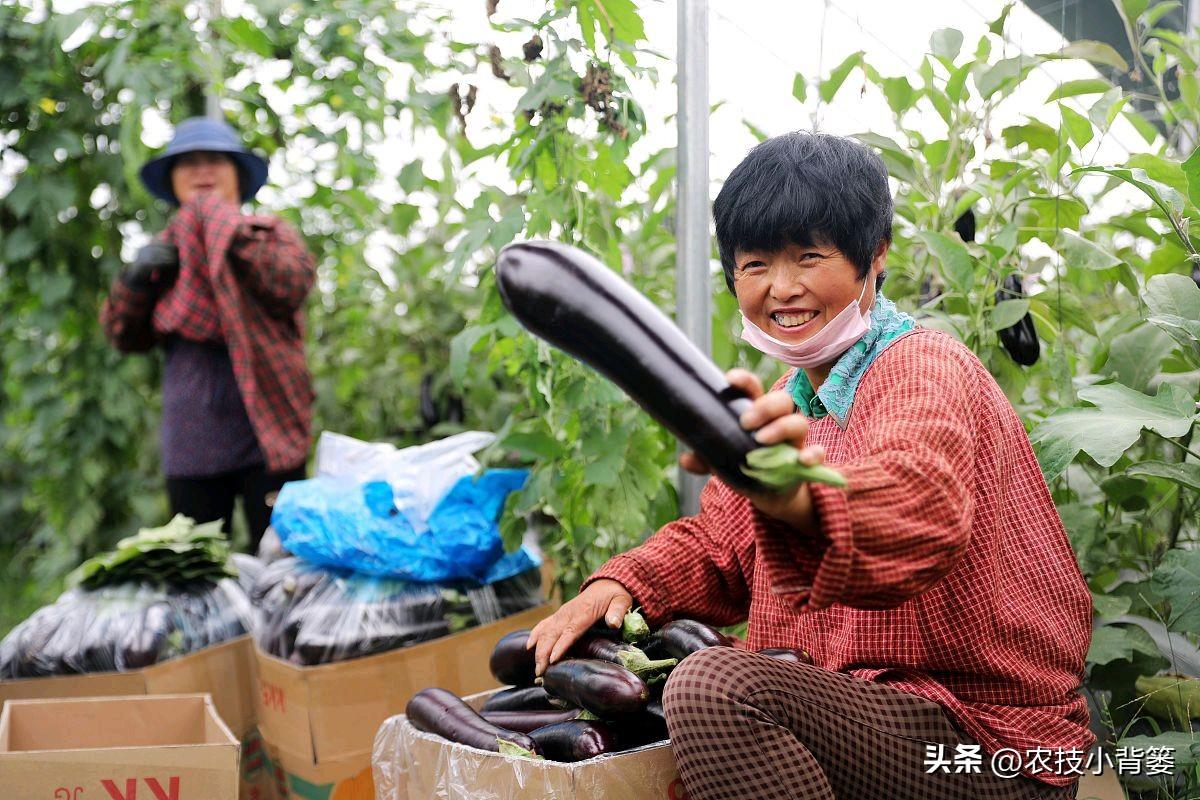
pixel 155 268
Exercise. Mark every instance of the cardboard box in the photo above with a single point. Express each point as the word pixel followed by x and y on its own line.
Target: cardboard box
pixel 172 746
pixel 410 764
pixel 224 671
pixel 319 722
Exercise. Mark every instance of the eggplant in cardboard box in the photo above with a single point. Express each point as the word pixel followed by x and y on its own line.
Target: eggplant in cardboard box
pixel 319 722
pixel 409 764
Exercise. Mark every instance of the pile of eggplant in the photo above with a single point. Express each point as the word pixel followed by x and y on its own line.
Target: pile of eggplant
pixel 123 627
pixel 604 697
pixel 310 614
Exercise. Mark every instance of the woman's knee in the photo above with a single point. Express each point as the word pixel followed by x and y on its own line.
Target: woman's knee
pixel 715 676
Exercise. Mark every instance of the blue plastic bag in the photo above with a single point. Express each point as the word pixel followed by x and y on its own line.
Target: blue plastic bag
pixel 339 522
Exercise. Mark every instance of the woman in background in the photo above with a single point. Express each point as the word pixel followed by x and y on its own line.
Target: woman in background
pixel 222 294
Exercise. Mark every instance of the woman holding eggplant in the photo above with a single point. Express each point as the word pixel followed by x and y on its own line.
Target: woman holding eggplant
pixel 937 592
pixel 222 293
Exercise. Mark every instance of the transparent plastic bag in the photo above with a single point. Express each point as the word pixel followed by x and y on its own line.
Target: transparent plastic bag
pixel 125 627
pixel 407 763
pixel 310 614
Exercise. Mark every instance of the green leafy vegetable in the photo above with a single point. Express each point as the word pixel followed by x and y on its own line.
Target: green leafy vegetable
pixel 179 552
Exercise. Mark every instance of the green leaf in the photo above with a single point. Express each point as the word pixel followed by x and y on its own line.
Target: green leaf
pixel 1078 87
pixel 898 161
pixel 946 43
pixel 1081 253
pixel 1093 51
pixel 1159 11
pixel 1169 201
pixel 829 87
pixel 617 21
pixel 1117 643
pixel 1177 580
pixel 1134 357
pixel 1105 110
pixel 1006 72
pixel 19 245
pixel 248 36
pixel 957 267
pixel 1182 745
pixel 1079 128
pixel 1174 304
pixel 1038 135
pixel 1173 294
pixel 536 445
pixel 1185 474
pixel 1007 313
pixel 996 26
pixel 1114 425
pixel 899 93
pixel 1110 606
pixel 800 88
pixel 1191 170
pixel 1143 126
pixel 758 133
pixel 460 350
pixel 412 177
pixel 1134 8
pixel 1172 698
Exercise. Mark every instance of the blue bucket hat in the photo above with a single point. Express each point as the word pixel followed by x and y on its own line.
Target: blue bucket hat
pixel 202 133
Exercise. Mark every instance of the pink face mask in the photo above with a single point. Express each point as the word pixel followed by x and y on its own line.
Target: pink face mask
pixel 838 335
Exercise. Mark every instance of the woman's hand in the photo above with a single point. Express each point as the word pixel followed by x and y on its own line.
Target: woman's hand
pixel 604 599
pixel 155 267
pixel 773 417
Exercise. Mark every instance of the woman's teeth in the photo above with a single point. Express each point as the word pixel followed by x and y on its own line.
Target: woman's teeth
pixel 793 320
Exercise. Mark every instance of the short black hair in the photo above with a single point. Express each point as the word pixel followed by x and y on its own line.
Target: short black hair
pixel 806 189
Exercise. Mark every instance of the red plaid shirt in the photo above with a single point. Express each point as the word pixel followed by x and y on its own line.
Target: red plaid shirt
pixel 242 281
pixel 942 571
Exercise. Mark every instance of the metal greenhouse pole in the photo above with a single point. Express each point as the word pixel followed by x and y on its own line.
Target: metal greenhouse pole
pixel 692 290
pixel 212 98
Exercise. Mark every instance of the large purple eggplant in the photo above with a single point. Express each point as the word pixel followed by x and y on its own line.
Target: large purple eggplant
pixel 444 713
pixel 575 740
pixel 575 303
pixel 601 687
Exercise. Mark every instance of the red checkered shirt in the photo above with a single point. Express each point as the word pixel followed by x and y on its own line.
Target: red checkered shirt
pixel 943 570
pixel 242 282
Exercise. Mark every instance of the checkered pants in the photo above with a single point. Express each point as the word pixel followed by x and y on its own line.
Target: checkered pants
pixel 744 726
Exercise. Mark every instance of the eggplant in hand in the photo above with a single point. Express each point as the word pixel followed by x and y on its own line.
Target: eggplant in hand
pixel 577 304
pixel 511 663
pixel 442 712
pixel 628 656
pixel 601 687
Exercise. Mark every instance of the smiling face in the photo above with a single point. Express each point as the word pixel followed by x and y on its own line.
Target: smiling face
pixel 794 292
pixel 205 171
